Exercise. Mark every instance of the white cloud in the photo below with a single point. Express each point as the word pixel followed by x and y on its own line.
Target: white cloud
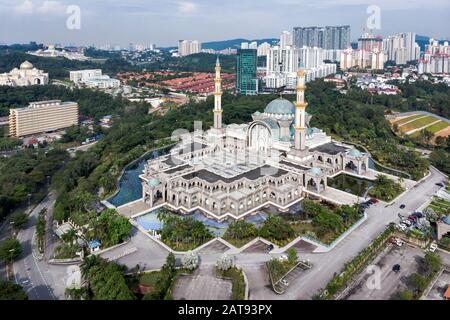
pixel 26 7
pixel 51 8
pixel 187 7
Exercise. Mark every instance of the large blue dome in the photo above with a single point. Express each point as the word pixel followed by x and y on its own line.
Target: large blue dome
pixel 280 106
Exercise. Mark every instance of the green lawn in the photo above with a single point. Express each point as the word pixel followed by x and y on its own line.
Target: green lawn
pixel 437 126
pixel 419 123
pixel 404 120
pixel 149 279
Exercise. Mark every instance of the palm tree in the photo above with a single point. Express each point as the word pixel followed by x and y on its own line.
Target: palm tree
pixel 89 263
pixel 70 236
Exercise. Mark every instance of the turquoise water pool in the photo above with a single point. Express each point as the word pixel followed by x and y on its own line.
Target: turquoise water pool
pixel 150 221
pixel 130 188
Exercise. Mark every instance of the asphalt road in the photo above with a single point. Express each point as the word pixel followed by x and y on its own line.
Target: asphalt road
pixel 40 280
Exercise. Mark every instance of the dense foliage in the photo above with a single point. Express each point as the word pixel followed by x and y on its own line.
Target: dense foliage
pixel 385 189
pixel 106 280
pixel 12 291
pixel 276 228
pixel 182 232
pixel 10 249
pixel 25 173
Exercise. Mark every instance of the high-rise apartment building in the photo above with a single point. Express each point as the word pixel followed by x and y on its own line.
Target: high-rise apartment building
pixel 263 49
pixel 246 64
pixel 329 37
pixel 401 47
pixel 283 64
pixel 187 47
pixel 368 42
pixel 286 39
pixel 43 116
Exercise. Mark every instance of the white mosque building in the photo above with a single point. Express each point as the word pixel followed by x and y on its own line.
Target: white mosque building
pixel 26 75
pixel 233 170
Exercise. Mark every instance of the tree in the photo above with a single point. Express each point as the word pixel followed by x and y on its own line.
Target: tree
pixel 418 281
pixel 190 260
pixel 18 220
pixel 292 255
pixel 70 236
pixel 275 227
pixel 10 249
pixel 432 263
pixel 405 295
pixel 240 229
pixel 12 291
pixel 224 262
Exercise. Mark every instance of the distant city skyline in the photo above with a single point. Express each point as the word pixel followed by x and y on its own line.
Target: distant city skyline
pixel 166 22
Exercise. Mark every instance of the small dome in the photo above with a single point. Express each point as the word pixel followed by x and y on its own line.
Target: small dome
pixel 315 171
pixel 154 182
pixel 446 220
pixel 280 106
pixel 355 153
pixel 26 66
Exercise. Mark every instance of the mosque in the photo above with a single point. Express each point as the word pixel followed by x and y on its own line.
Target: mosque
pixel 26 75
pixel 233 170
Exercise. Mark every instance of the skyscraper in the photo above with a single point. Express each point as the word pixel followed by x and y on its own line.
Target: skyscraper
pixel 329 37
pixel 246 80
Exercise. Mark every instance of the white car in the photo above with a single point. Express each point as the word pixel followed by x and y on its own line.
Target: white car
pixel 402 227
pixel 283 257
pixel 284 282
pixel 432 247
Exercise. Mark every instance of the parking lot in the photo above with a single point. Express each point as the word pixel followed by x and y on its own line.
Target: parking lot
pixel 202 284
pixel 214 247
pixel 439 287
pixel 390 282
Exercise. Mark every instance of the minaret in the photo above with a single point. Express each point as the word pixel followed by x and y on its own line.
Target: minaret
pixel 218 97
pixel 300 106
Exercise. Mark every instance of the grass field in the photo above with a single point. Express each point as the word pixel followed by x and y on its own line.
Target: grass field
pixel 404 120
pixel 419 123
pixel 437 126
pixel 440 206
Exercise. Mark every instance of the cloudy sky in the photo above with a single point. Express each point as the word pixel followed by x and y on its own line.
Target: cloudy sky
pixel 165 21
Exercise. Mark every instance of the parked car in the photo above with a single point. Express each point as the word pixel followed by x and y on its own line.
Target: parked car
pixel 396 268
pixel 402 226
pixel 402 206
pixel 284 282
pixel 283 257
pixel 374 200
pixel 269 248
pixel 433 246
pixel 439 184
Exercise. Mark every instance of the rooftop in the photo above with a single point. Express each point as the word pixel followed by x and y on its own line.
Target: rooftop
pixel 254 174
pixel 330 148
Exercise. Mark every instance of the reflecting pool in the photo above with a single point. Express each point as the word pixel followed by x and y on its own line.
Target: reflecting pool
pixel 130 188
pixel 150 221
pixel 350 184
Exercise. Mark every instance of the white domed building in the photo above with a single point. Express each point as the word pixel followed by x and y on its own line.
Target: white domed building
pixel 233 170
pixel 26 75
